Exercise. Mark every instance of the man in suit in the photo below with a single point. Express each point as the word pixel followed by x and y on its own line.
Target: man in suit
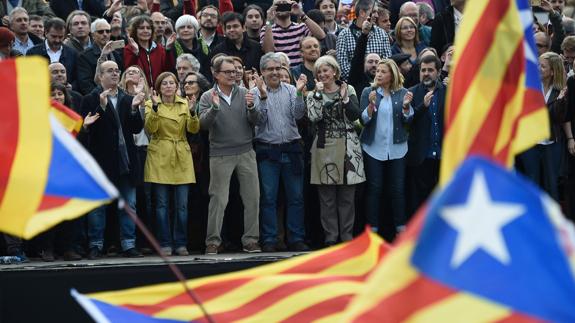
pixel 426 133
pixel 111 119
pixel 54 49
pixel 445 25
pixel 62 8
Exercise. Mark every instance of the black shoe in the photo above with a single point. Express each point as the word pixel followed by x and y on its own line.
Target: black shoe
pixel 132 253
pixel 71 255
pixel 47 255
pixel 269 247
pixel 299 246
pixel 328 244
pixel 95 253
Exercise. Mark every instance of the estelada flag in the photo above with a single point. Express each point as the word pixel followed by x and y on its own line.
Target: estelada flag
pixel 46 176
pixel 69 119
pixel 311 288
pixel 491 247
pixel 494 105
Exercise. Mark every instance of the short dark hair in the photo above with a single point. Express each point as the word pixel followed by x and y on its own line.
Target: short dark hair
pixel 431 59
pixel 254 7
pixel 364 5
pixel 317 2
pixel 231 16
pixel 54 23
pixel 316 16
pixel 35 18
pixel 209 7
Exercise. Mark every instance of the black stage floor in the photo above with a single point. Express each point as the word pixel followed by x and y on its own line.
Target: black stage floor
pixel 40 292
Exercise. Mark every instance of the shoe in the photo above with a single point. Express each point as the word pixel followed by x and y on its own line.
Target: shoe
pixel 21 257
pixel 211 249
pixel 113 251
pixel 182 251
pixel 132 253
pixel 252 247
pixel 328 244
pixel 47 255
pixel 269 247
pixel 281 246
pixel 147 251
pixel 95 253
pixel 166 251
pixel 71 255
pixel 299 246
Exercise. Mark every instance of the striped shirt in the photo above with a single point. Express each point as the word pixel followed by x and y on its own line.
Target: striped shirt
pixel 287 40
pixel 278 114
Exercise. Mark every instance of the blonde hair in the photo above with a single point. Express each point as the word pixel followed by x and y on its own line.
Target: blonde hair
pixel 559 79
pixel 396 76
pixel 122 84
pixel 398 38
pixel 329 61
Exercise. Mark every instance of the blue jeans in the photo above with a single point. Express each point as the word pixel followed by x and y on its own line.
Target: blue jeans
pixel 270 173
pixel 180 229
pixel 97 219
pixel 383 176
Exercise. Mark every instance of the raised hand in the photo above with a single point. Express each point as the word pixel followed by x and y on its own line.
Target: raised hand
pixel 407 99
pixel 366 26
pixel 318 86
pixel 141 83
pixel 215 98
pixel 90 119
pixel 562 93
pixel 171 40
pixel 155 98
pixel 427 99
pixel 116 5
pixel 192 104
pixel 108 48
pixel 372 97
pixel 250 99
pixel 271 13
pixel 343 91
pixel 104 98
pixel 133 45
pixel 301 82
pixel 261 85
pixel 138 99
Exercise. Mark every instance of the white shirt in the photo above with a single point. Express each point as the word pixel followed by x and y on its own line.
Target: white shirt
pixel 225 97
pixel 54 56
pixel 457 17
pixel 547 141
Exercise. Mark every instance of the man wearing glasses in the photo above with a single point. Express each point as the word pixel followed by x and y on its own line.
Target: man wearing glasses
pixel 207 35
pixel 88 59
pixel 228 112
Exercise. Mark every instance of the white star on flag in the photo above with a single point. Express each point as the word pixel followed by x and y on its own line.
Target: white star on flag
pixel 479 222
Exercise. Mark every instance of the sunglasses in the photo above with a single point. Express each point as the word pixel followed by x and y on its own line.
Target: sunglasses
pixel 102 31
pixel 190 82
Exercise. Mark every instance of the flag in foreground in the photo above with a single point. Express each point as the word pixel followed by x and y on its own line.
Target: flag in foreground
pixel 494 104
pixel 314 287
pixel 69 119
pixel 46 176
pixel 491 247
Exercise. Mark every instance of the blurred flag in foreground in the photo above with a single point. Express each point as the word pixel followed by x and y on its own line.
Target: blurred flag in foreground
pixel 46 176
pixel 491 247
pixel 69 119
pixel 314 287
pixel 494 105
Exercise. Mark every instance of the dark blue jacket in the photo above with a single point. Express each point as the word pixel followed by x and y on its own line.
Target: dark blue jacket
pixel 68 58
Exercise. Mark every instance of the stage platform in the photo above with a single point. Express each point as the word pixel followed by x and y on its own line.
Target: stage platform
pixel 40 291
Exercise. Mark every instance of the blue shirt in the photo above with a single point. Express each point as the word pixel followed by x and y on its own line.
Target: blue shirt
pixel 22 47
pixel 434 151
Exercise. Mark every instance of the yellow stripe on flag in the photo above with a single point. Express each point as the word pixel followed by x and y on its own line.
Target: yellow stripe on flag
pixel 29 172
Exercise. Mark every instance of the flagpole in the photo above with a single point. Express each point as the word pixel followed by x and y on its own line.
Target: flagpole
pixel 175 270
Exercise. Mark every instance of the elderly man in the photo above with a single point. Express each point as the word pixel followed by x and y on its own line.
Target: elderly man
pixel 111 121
pixel 160 22
pixel 228 112
pixel 58 75
pixel 88 59
pixel 185 64
pixel 19 23
pixel 33 7
pixel 279 152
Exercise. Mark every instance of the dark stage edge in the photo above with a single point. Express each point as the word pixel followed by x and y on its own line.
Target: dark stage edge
pixel 40 292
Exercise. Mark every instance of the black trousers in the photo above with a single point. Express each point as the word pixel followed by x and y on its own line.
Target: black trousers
pixel 422 179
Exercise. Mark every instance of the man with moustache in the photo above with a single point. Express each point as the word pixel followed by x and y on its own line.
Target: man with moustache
pixel 207 35
pixel 279 152
pixel 78 26
pixel 426 133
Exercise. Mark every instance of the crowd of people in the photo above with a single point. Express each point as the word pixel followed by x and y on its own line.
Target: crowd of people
pixel 265 127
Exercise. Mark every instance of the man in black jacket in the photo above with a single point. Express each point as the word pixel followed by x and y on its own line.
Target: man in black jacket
pixel 88 59
pixel 363 65
pixel 62 8
pixel 112 118
pixel 445 25
pixel 425 134
pixel 54 50
pixel 236 44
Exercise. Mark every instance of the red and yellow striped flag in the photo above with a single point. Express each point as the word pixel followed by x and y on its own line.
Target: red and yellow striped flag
pixel 494 104
pixel 69 119
pixel 310 288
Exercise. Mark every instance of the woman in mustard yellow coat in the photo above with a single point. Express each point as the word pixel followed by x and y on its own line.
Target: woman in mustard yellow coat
pixel 169 165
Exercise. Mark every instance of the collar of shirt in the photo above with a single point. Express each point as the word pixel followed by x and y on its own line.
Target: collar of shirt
pixel 50 50
pixel 226 97
pixel 457 16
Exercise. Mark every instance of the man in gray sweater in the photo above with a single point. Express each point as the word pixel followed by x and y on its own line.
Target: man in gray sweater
pixel 229 113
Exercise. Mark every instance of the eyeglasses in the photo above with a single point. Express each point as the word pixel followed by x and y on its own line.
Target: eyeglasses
pixel 229 73
pixel 132 72
pixel 112 71
pixel 190 82
pixel 209 15
pixel 102 31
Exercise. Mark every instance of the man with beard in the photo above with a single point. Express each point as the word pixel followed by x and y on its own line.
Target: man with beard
pixel 236 44
pixel 426 133
pixel 363 67
pixel 280 34
pixel 160 22
pixel 279 153
pixel 19 24
pixel 310 52
pixel 207 36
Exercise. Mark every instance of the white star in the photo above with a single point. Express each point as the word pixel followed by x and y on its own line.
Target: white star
pixel 479 222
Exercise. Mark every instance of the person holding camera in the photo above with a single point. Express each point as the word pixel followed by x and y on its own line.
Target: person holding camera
pixel 425 133
pixel 387 110
pixel 336 161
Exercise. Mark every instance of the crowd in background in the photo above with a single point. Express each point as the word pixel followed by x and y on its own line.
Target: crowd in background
pixel 265 127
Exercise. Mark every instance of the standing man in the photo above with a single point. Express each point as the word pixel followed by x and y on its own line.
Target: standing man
pixel 33 7
pixel 36 26
pixel 19 23
pixel 377 39
pixel 280 152
pixel 236 43
pixel 280 34
pixel 310 52
pixel 446 24
pixel 426 133
pixel 112 120
pixel 160 22
pixel 58 75
pixel 78 25
pixel 207 35
pixel 54 50
pixel 88 59
pixel 228 112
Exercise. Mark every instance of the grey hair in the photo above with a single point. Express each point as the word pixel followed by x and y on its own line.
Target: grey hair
pixel 269 57
pixel 17 10
pixel 190 59
pixel 285 58
pixel 425 9
pixel 329 61
pixel 95 23
pixel 568 26
pixel 364 5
